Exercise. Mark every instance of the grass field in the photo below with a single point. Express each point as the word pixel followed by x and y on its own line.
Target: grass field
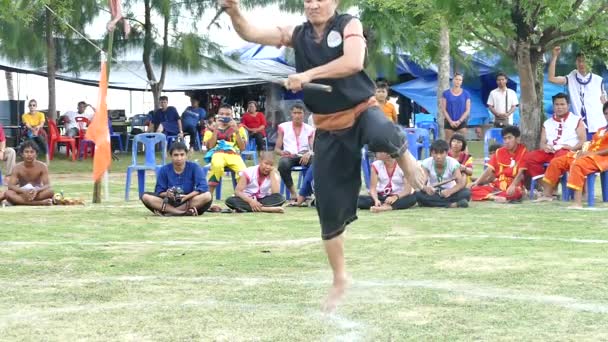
pixel 115 272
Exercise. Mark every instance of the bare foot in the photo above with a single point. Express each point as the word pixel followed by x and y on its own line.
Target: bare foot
pixel 543 199
pixel 380 208
pixel 499 199
pixel 575 206
pixel 335 295
pixel 276 210
pixel 46 202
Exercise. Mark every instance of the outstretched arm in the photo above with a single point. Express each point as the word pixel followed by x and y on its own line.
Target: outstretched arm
pixel 275 36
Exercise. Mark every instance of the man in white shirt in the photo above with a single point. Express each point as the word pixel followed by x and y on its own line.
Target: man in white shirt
pixel 69 119
pixel 502 102
pixel 586 92
pixel 294 145
pixel 562 133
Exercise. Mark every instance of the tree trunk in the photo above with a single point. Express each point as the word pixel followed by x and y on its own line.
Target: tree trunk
pixel 10 86
pixel 530 106
pixel 443 69
pixel 148 52
pixel 50 63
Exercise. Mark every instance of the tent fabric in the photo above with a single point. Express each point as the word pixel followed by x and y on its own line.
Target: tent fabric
pixel 424 92
pixel 123 75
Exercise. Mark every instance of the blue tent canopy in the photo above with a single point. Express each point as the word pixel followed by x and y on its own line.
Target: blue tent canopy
pixel 253 51
pixel 424 92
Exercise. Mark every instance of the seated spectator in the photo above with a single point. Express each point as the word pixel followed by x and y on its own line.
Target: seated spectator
pixel 255 123
pixel 181 188
pixel 593 157
pixel 382 97
pixel 34 123
pixel 458 151
pixel 294 145
pixel 503 167
pixel 491 151
pixel 258 189
pixel 446 184
pixel 166 119
pixel 388 188
pixel 29 183
pixel 72 129
pixel 224 141
pixel 306 189
pixel 7 154
pixel 563 133
pixel 193 120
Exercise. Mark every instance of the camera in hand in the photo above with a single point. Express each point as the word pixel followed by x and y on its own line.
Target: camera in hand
pixel 178 193
pixel 224 119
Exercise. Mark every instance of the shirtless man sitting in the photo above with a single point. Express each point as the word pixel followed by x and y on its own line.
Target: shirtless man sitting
pixel 29 184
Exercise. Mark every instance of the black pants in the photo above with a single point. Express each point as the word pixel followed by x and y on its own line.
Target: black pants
pixel 259 141
pixel 435 200
pixel 337 172
pixel 238 204
pixel 285 165
pixel 366 202
pixel 174 204
pixel 191 130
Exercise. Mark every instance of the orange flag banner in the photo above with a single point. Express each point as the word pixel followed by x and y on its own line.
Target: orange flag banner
pixel 98 130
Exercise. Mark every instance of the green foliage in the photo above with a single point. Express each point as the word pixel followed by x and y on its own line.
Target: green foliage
pixel 23 36
pixel 409 26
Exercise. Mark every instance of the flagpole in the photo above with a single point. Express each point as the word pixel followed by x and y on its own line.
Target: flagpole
pixel 97 184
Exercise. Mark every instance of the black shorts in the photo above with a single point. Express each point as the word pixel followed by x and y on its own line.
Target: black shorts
pixel 446 125
pixel 337 171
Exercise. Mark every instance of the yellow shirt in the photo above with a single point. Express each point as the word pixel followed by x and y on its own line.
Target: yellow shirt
pixel 33 120
pixel 230 141
pixel 389 111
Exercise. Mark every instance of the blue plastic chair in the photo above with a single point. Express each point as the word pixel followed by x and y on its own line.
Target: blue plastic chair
pixel 171 139
pixel 139 121
pixel 491 134
pixel 149 140
pixel 568 194
pixel 421 141
pixel 302 171
pixel 422 117
pixel 115 136
pixel 250 151
pixel 430 125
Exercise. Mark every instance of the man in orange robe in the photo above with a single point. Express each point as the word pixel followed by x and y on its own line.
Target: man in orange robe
pixel 592 158
pixel 504 166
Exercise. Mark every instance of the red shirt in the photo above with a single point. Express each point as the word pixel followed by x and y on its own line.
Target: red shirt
pixel 2 136
pixel 506 165
pixel 254 121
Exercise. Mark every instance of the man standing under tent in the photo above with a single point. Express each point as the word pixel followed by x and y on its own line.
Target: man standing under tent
pixel 330 49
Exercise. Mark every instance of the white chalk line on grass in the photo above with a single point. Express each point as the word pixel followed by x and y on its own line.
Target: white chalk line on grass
pixel 498 237
pixel 472 290
pixel 353 330
pixel 294 242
